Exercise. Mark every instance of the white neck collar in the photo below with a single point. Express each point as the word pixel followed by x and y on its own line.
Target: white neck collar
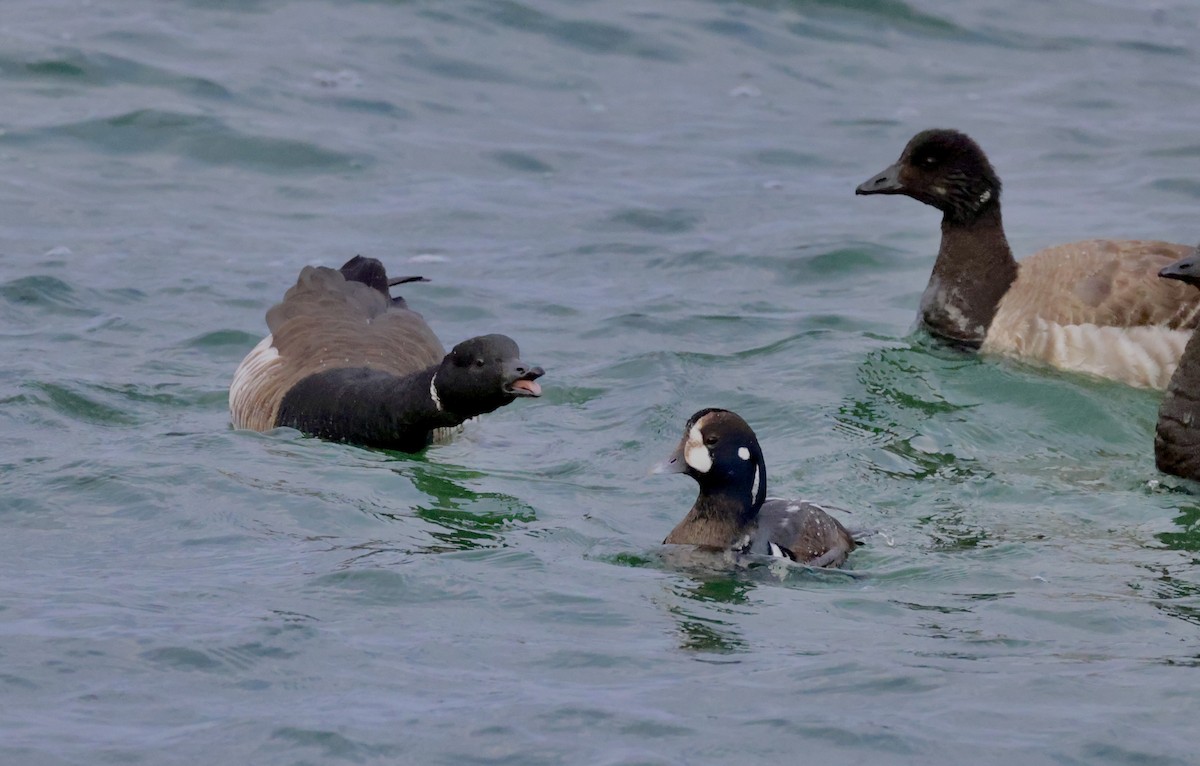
pixel 433 394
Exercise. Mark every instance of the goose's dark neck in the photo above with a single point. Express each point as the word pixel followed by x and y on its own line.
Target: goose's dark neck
pixel 412 401
pixel 974 268
pixel 716 519
pixel 366 406
pixel 1177 434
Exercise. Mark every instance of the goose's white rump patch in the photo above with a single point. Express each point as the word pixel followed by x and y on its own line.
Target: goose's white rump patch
pixel 1098 307
pixel 253 395
pixel 1144 356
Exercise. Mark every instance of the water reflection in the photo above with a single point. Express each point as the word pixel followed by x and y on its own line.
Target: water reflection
pixel 466 519
pixel 897 400
pixel 1188 536
pixel 706 606
pixel 697 626
pixel 706 635
pixel 949 531
pixel 1173 595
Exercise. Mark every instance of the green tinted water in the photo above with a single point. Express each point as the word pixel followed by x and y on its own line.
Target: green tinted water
pixel 657 203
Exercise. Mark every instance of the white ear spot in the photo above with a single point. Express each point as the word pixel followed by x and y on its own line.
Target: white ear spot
pixel 983 198
pixel 695 453
pixel 743 453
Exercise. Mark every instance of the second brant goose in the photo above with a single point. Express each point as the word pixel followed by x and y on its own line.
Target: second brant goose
pixel 1095 306
pixel 1177 434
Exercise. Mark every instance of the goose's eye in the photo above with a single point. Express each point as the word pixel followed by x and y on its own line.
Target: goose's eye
pixel 710 440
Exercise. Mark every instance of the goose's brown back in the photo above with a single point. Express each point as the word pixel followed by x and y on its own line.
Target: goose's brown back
pixel 325 322
pixel 1098 306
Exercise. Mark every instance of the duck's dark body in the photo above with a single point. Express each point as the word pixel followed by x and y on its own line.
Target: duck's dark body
pixel 810 535
pixel 720 451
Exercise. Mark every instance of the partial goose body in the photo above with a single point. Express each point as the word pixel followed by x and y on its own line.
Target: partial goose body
pixel 732 512
pixel 1094 306
pixel 346 361
pixel 1098 307
pixel 1177 433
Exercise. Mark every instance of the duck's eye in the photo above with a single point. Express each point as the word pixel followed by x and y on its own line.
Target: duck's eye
pixel 710 440
pixel 929 160
pixel 479 362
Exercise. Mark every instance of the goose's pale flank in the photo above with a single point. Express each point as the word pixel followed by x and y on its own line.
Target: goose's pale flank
pixel 732 512
pixel 1177 434
pixel 1095 306
pixel 347 361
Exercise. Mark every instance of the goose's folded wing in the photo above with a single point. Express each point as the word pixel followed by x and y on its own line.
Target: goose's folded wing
pixel 326 322
pixel 1109 283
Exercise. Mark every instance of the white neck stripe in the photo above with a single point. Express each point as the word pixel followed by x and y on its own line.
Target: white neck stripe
pixel 433 394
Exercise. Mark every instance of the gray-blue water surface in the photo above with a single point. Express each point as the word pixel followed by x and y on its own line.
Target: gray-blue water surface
pixel 656 200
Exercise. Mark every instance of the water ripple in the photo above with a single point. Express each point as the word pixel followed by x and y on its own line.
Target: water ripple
pixel 588 36
pixel 83 402
pixel 93 69
pixel 653 221
pixel 657 201
pixel 43 292
pixel 202 138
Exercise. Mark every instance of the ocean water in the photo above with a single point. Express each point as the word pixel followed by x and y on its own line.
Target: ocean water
pixel 656 200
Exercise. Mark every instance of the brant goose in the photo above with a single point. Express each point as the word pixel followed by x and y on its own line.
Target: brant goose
pixel 1177 434
pixel 346 361
pixel 1094 306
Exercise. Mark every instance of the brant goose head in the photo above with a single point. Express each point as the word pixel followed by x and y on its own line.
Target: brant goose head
pixel 942 168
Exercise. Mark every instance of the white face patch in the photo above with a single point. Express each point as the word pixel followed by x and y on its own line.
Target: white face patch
pixel 938 190
pixel 754 486
pixel 983 198
pixel 743 453
pixel 695 454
